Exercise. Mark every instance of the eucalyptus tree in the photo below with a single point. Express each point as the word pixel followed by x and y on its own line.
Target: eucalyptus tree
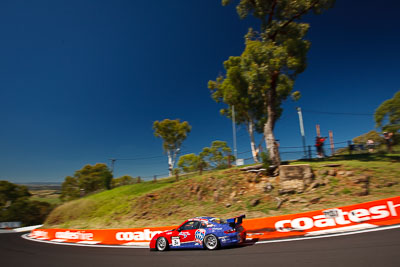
pixel 218 155
pixel 387 115
pixel 173 133
pixel 275 55
pixel 232 89
pixel 89 179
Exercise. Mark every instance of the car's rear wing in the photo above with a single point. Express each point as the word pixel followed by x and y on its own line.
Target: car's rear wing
pixel 236 220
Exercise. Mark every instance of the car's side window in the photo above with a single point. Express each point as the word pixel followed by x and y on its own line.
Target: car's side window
pixel 189 225
pixel 203 225
pixel 197 225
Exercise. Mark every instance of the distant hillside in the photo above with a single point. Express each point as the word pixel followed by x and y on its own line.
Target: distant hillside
pixel 225 193
pixel 42 185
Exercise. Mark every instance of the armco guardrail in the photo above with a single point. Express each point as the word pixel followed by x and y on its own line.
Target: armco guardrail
pixel 349 218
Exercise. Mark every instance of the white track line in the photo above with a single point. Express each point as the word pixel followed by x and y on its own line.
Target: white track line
pixel 330 235
pixel 25 236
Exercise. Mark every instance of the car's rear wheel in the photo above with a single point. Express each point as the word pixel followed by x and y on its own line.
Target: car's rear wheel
pixel 162 244
pixel 211 242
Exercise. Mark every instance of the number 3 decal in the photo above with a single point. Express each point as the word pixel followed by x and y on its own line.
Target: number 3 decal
pixel 175 241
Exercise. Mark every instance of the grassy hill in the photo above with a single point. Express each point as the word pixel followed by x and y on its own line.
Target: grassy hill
pixel 231 192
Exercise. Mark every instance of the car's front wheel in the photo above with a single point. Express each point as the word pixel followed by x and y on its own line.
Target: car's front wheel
pixel 162 244
pixel 211 242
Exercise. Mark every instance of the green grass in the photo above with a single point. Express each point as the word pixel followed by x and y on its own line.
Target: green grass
pixel 346 191
pixel 168 202
pixel 46 195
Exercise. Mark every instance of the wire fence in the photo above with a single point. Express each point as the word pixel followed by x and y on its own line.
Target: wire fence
pixel 287 153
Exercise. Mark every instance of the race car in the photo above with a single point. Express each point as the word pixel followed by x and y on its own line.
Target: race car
pixel 201 232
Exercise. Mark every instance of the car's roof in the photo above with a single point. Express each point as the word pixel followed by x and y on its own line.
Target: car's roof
pixel 202 218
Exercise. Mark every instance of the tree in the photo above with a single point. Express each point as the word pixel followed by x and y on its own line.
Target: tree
pixel 10 192
pixel 93 178
pixel 371 135
pixel 28 212
pixel 189 162
pixel 275 56
pixel 173 133
pixel 70 189
pixel 233 90
pixel 123 180
pixel 16 206
pixel 218 155
pixel 88 179
pixel 387 115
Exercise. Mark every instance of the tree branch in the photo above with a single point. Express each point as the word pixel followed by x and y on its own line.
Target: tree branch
pixel 293 18
pixel 271 13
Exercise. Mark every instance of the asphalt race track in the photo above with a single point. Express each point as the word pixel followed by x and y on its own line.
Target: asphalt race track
pixel 380 248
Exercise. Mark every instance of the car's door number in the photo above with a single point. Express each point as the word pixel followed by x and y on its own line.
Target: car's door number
pixel 176 242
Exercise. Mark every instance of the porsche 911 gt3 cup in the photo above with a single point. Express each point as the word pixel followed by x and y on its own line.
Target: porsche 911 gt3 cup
pixel 201 232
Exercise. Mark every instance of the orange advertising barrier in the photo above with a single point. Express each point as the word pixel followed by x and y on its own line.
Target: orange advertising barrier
pixel 348 218
pixel 102 236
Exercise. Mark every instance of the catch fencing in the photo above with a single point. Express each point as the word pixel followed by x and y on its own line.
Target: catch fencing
pixel 290 153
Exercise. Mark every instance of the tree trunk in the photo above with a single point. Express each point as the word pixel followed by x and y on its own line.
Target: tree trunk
pixel 170 163
pixel 272 145
pixel 172 154
pixel 254 151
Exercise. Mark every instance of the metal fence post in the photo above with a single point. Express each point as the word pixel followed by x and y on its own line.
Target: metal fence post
pixel 350 147
pixel 309 152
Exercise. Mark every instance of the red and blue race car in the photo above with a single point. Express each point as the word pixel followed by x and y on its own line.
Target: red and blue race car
pixel 201 232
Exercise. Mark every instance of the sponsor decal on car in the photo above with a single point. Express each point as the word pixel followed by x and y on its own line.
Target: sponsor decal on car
pixel 175 241
pixel 199 235
pixel 184 234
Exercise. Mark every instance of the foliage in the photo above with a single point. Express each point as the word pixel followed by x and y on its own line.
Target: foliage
pixel 233 91
pixel 173 133
pixel 70 189
pixel 10 192
pixel 16 206
pixel 218 155
pixel 192 162
pixel 27 212
pixel 371 135
pixel 274 56
pixel 265 160
pixel 149 204
pixel 123 180
pixel 387 115
pixel 189 162
pixel 93 178
pixel 88 179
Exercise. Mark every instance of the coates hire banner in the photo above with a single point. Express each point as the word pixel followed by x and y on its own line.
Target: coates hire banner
pixel 349 218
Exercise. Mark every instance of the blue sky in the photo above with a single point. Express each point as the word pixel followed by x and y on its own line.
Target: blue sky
pixel 83 81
